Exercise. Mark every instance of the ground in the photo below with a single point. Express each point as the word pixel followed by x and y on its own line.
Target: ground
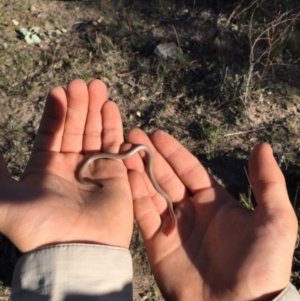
pixel 235 85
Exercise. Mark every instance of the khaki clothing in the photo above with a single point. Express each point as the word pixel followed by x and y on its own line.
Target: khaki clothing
pixel 289 294
pixel 77 272
pixel 70 272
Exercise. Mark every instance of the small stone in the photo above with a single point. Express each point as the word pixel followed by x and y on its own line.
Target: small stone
pixel 168 51
pixel 42 15
pixel 98 40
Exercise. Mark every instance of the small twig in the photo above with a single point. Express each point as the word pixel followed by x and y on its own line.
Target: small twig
pixel 176 35
pixel 274 37
pixel 245 170
pixel 234 12
pixel 248 7
pixel 251 60
pixel 250 131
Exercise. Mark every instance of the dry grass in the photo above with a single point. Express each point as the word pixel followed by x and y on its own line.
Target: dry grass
pixel 200 98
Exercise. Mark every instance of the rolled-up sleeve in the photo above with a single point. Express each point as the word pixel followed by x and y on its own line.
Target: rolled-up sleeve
pixel 289 294
pixel 76 272
pixel 70 272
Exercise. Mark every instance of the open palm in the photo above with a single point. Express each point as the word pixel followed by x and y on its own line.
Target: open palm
pixel 220 250
pixel 48 205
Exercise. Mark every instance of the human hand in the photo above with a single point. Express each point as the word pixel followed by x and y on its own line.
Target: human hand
pixel 48 205
pixel 220 250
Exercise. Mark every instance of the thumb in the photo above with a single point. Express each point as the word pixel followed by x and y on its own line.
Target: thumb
pixel 274 208
pixel 267 180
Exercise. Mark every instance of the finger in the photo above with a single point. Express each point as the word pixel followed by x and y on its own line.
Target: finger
pixel 50 133
pixel 266 178
pixel 78 100
pixel 145 211
pixel 93 127
pixel 174 167
pixel 187 167
pixel 136 163
pixel 112 131
pixel 163 172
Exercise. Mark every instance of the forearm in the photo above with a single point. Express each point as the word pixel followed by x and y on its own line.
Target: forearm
pixel 74 272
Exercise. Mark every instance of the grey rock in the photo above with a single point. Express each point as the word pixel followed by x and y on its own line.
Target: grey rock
pixel 168 51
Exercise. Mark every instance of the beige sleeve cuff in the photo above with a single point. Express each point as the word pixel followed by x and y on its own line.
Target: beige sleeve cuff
pixel 289 294
pixel 70 272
